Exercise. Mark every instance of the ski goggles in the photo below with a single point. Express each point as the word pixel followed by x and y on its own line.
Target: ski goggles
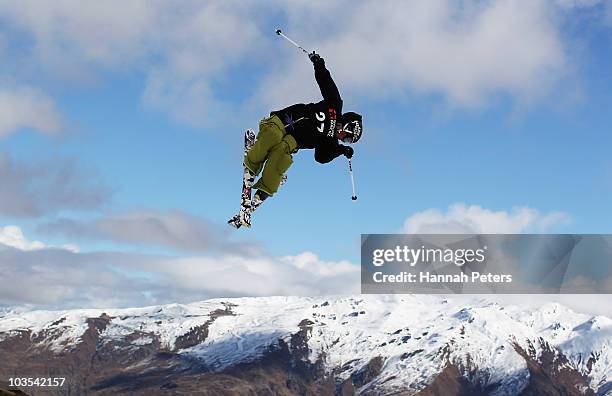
pixel 350 130
pixel 344 135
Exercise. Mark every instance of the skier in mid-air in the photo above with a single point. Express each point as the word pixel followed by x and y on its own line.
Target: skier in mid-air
pixel 320 126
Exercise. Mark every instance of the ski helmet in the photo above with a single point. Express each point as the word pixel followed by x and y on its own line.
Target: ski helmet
pixel 352 125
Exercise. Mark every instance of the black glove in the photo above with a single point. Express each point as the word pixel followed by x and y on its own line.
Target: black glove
pixel 347 151
pixel 316 59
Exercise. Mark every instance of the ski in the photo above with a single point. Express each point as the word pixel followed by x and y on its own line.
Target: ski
pixel 247 184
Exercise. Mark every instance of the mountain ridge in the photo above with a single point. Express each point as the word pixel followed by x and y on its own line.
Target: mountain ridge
pixel 337 345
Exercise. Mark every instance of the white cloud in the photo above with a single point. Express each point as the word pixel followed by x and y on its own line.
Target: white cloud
pixel 261 275
pixel 309 261
pixel 463 219
pixel 189 52
pixel 12 236
pixel 27 107
pixel 465 51
pixel 70 279
pixel 39 274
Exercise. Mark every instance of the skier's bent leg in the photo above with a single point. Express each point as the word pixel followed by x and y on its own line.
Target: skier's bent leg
pixel 271 132
pixel 278 163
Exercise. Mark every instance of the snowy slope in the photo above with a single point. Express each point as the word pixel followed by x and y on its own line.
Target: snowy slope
pixel 416 336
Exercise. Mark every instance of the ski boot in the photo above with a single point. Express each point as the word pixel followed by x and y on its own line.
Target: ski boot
pixel 245 215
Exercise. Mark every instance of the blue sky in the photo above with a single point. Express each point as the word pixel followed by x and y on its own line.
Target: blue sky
pixel 122 129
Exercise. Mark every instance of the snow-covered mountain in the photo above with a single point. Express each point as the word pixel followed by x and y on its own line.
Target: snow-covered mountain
pixel 370 345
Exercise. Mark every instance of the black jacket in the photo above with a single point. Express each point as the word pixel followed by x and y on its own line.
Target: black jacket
pixel 313 125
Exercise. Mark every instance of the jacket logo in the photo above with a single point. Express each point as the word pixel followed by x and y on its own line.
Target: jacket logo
pixel 332 122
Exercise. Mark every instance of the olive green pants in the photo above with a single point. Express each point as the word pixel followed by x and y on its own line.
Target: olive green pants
pixel 271 152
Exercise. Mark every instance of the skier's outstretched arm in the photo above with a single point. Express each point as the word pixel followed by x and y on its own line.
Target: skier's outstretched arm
pixel 328 87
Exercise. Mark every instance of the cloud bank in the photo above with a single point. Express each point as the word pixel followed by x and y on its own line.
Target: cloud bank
pixel 54 278
pixel 190 52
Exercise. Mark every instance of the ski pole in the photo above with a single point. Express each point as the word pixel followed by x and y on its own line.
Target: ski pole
pixel 354 197
pixel 278 31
